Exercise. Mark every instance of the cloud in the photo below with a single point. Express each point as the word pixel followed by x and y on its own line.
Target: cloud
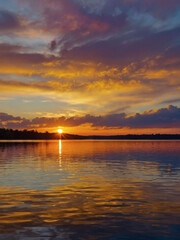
pixel 8 21
pixel 160 118
pixel 78 23
pixel 169 59
pixel 7 117
pixel 53 45
pixel 170 101
pixel 102 31
pixel 5 48
pixel 115 51
pixel 89 96
pixel 105 55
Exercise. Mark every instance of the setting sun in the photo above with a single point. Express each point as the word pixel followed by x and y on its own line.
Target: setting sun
pixel 60 131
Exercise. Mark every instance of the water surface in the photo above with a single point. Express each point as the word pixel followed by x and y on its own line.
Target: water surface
pixel 90 190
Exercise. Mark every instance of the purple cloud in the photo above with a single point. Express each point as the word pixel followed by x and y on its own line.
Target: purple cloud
pixel 8 21
pixel 116 53
pixel 8 117
pixel 161 118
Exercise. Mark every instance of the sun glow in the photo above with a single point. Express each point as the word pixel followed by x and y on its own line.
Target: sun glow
pixel 60 131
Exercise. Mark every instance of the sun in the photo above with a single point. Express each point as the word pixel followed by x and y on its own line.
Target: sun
pixel 60 131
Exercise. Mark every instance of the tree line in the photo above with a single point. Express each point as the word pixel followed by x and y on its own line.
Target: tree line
pixel 10 134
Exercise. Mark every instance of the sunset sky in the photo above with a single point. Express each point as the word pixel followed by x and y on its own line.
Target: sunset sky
pixel 90 66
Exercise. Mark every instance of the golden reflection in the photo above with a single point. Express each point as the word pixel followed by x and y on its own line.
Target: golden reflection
pixel 88 199
pixel 60 147
pixel 60 154
pixel 99 190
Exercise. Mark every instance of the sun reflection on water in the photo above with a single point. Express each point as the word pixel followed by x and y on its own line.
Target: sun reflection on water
pixel 127 187
pixel 60 154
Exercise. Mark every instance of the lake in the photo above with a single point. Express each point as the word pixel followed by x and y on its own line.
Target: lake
pixel 76 189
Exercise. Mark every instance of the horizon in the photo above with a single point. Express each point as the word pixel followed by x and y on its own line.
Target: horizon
pixel 85 136
pixel 94 67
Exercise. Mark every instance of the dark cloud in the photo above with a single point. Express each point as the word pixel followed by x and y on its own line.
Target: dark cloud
pixel 158 8
pixel 7 117
pixel 8 21
pixel 9 121
pixel 116 51
pixel 29 58
pixel 53 45
pixel 169 59
pixel 81 22
pixel 14 58
pixel 161 118
pixel 5 48
pixel 170 101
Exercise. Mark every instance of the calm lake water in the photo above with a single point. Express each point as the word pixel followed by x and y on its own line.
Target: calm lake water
pixel 90 190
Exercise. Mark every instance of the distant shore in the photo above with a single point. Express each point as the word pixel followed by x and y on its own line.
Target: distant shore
pixel 9 134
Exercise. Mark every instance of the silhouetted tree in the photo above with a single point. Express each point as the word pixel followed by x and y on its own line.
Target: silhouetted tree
pixel 11 134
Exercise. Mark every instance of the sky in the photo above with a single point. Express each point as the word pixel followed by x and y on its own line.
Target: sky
pixel 100 67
